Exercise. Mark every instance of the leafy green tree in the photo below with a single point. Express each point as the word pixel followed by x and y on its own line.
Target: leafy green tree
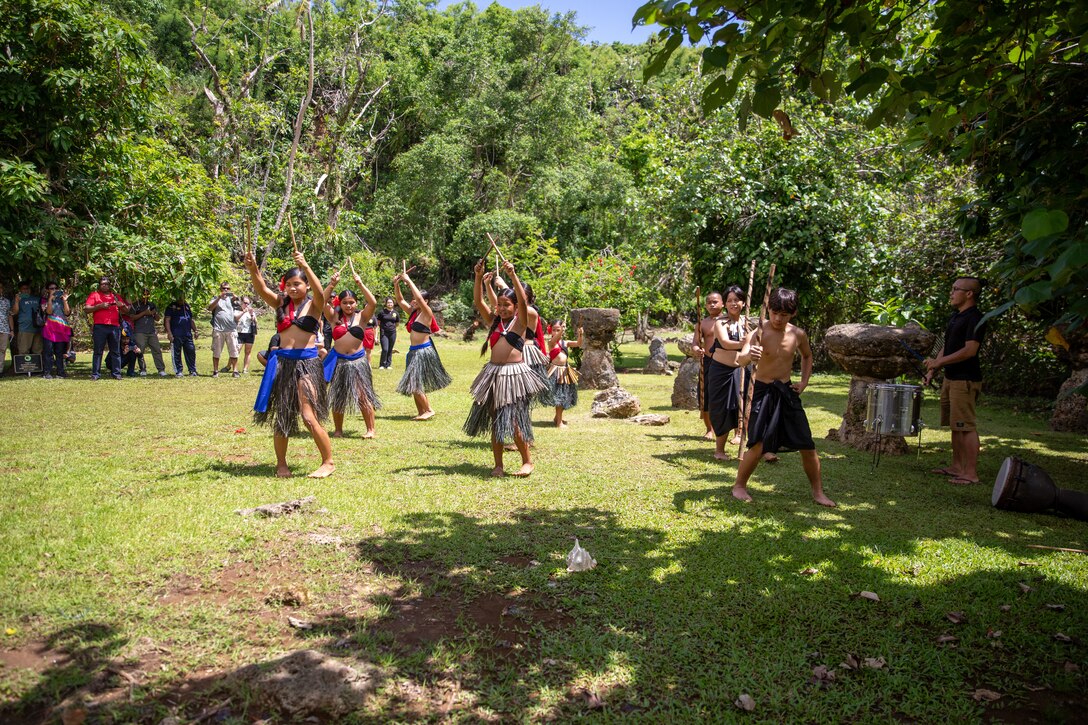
pixel 997 85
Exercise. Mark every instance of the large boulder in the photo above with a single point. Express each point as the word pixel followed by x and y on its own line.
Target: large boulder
pixel 615 402
pixel 1071 410
pixel 877 351
pixel 658 364
pixel 685 389
pixel 308 683
pixel 597 369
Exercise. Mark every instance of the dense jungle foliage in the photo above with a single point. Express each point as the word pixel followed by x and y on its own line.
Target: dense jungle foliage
pixel 140 135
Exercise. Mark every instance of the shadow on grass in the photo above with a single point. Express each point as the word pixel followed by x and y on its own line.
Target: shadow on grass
pixel 482 620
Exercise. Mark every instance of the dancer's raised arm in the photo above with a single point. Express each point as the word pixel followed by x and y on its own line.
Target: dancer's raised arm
pixel 404 306
pixel 316 289
pixel 329 292
pixel 478 285
pixel 420 300
pixel 519 292
pixel 371 301
pixel 259 285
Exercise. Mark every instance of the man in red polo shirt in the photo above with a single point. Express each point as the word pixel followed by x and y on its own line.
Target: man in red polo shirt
pixel 105 308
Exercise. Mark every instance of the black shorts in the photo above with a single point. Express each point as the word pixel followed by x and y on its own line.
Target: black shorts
pixel 246 338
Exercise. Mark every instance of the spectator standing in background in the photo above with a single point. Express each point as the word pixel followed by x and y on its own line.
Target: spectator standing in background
pixel 247 330
pixel 388 319
pixel 28 338
pixel 6 324
pixel 105 308
pixel 224 330
pixel 144 316
pixel 180 331
pixel 57 333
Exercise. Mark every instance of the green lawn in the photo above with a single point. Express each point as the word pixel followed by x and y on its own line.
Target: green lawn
pixel 133 590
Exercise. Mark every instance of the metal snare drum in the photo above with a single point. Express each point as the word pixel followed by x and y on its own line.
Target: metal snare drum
pixel 893 409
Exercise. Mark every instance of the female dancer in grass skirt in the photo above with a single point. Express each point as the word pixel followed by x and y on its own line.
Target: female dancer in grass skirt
pixel 536 350
pixel 347 366
pixel 503 389
pixel 293 382
pixel 423 371
pixel 562 378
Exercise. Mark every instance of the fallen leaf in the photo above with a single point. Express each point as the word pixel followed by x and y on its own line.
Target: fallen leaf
pixel 947 639
pixel 822 676
pixel 850 663
pixel 1025 588
pixel 9 631
pixel 875 663
pixel 239 430
pixel 1072 667
pixel 993 633
pixel 1005 607
pixel 745 702
pixel 593 700
pixel 871 596
pixel 1063 637
pixel 1027 563
pixel 815 655
pixel 1034 688
pixel 550 661
pixel 809 572
pixel 982 694
pixel 73 716
pixel 956 617
pixel 1056 607
pixel 299 623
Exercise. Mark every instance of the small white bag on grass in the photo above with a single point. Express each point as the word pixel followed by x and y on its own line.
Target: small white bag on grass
pixel 579 559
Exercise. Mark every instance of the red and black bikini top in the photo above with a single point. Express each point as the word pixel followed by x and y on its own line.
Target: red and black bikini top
pixel 503 330
pixel 413 327
pixel 304 322
pixel 342 329
pixel 560 348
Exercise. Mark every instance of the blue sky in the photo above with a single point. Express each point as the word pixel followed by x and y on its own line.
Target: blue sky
pixel 609 20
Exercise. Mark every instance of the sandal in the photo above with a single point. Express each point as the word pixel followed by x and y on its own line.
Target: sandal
pixel 943 472
pixel 960 481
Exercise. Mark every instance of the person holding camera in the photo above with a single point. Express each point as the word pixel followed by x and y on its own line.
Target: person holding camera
pixel 28 337
pixel 146 337
pixel 247 330
pixel 180 331
pixel 105 308
pixel 224 330
pixel 57 332
pixel 6 325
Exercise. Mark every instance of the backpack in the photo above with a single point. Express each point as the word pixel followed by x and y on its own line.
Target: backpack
pixel 40 316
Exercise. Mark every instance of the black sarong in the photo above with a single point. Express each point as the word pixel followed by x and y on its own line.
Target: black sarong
pixel 778 419
pixel 723 400
pixel 704 400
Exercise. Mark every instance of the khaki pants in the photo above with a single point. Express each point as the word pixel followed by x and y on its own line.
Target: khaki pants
pixel 5 338
pixel 150 341
pixel 958 399
pixel 28 342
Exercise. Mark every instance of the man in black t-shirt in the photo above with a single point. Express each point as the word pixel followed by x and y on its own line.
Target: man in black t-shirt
pixel 962 379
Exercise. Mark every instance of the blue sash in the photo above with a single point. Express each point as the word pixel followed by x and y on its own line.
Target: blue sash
pixel 265 391
pixel 420 346
pixel 333 357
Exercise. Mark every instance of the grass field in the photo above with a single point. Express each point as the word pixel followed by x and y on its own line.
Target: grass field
pixel 131 589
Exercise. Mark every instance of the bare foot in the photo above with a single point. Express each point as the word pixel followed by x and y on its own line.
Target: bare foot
pixel 425 416
pixel 741 494
pixel 497 472
pixel 770 458
pixel 824 501
pixel 324 471
pixel 368 434
pixel 709 436
pixel 283 472
pixel 734 441
pixel 525 470
pixel 338 434
pixel 561 424
pixel 721 455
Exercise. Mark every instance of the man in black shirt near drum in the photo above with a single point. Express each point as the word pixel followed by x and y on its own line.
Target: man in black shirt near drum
pixel 962 379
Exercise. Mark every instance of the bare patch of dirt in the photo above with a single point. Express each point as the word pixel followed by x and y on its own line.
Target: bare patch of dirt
pixel 35 655
pixel 517 560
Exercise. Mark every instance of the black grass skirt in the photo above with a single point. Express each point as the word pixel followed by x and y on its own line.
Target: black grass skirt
pixel 294 378
pixel 351 381
pixel 501 395
pixel 423 371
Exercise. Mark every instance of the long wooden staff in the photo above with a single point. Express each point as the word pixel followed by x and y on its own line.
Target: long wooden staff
pixel 495 246
pixel 702 382
pixel 759 337
pixel 291 226
pixel 744 374
pixel 249 237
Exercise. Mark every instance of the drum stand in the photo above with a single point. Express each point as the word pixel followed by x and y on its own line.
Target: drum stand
pixel 880 446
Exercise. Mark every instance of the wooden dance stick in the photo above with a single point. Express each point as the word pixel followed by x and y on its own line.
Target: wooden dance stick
pixel 496 247
pixel 352 265
pixel 249 238
pixel 759 337
pixel 291 226
pixel 745 382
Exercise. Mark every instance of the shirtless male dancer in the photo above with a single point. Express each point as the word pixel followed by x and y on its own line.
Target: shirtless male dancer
pixel 777 421
pixel 702 347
